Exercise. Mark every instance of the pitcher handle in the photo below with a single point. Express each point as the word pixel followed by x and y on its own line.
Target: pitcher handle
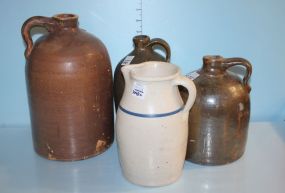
pixel 190 86
pixel 162 43
pixel 40 21
pixel 230 62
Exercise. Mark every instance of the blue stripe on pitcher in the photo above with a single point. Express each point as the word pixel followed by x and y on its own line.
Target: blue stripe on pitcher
pixel 150 115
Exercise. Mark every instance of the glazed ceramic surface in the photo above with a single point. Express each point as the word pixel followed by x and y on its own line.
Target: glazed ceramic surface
pixel 69 84
pixel 220 115
pixel 152 122
pixel 144 50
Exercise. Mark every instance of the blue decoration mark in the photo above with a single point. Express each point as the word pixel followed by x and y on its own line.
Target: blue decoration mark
pixel 150 115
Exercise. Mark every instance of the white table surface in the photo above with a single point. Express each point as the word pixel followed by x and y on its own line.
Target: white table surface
pixel 261 169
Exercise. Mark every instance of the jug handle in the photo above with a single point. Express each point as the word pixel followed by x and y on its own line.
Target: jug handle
pixel 191 88
pixel 162 43
pixel 230 62
pixel 39 21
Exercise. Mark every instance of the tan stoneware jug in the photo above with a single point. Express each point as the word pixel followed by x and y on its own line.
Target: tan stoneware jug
pixel 69 85
pixel 152 123
pixel 144 50
pixel 220 115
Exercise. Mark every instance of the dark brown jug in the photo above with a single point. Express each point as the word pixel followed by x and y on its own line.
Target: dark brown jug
pixel 69 85
pixel 219 118
pixel 144 51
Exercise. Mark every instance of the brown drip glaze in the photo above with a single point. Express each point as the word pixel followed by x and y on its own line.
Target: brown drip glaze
pixel 69 85
pixel 219 118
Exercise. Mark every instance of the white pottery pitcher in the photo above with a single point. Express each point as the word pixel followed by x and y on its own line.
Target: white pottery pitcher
pixel 152 123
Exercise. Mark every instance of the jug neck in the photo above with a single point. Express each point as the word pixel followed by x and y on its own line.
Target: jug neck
pixel 213 65
pixel 141 42
pixel 66 20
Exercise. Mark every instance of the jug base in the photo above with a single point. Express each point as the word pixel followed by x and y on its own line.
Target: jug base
pixel 151 183
pixel 208 162
pixel 72 158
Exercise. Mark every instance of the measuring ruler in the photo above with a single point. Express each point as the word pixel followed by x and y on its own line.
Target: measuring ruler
pixel 139 20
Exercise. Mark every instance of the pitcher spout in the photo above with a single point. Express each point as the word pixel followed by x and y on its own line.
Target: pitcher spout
pixel 126 71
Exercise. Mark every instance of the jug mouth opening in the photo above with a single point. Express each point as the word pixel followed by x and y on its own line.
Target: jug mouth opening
pixel 155 71
pixel 66 19
pixel 211 59
pixel 65 16
pixel 213 64
pixel 141 40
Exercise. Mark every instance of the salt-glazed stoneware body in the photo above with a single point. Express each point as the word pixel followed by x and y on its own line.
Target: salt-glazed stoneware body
pixel 69 84
pixel 220 115
pixel 151 124
pixel 144 50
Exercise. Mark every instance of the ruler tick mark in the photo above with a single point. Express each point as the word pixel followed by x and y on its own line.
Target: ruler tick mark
pixel 140 19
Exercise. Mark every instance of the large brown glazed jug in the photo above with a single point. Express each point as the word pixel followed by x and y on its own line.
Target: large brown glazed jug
pixel 143 51
pixel 69 85
pixel 219 118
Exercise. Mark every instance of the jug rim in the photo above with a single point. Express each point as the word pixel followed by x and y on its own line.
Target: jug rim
pixel 158 75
